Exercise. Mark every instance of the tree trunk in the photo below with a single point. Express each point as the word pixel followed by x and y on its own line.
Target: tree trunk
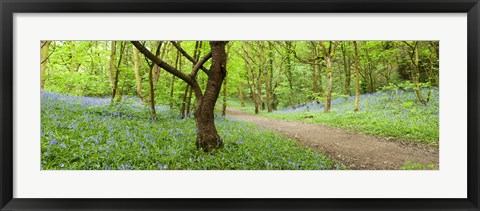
pixel 251 85
pixel 417 77
pixel 112 62
pixel 251 78
pixel 172 87
pixel 172 82
pixel 224 106
pixel 116 95
pixel 288 73
pixel 267 80
pixel 329 89
pixel 314 65
pixel 357 80
pixel 184 102
pixel 189 101
pixel 44 56
pixel 328 58
pixel 73 52
pixel 346 69
pixel 240 94
pixel 152 94
pixel 259 91
pixel 137 74
pixel 207 135
pixel 188 90
pixel 196 56
pixel 156 68
pixel 372 81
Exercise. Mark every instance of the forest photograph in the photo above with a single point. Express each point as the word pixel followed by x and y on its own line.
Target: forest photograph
pixel 239 105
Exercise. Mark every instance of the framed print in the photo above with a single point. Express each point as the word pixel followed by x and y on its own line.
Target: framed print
pixel 239 105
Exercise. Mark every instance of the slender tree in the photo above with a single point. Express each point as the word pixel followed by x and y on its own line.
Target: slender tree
pixel 346 67
pixel 116 95
pixel 267 66
pixel 254 73
pixel 288 73
pixel 137 74
pixel 357 76
pixel 416 71
pixel 153 74
pixel 240 94
pixel 113 50
pixel 44 45
pixel 329 53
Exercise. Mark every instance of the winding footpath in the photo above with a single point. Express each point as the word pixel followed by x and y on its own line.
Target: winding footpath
pixel 357 151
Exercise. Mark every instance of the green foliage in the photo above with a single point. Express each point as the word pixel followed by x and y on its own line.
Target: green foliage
pixel 78 83
pixel 417 166
pixel 87 134
pixel 81 68
pixel 386 114
pixel 405 86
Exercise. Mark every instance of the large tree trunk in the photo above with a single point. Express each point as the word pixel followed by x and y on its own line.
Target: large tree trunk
pixel 44 56
pixel 207 135
pixel 357 75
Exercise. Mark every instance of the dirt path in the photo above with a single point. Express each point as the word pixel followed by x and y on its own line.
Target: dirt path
pixel 357 151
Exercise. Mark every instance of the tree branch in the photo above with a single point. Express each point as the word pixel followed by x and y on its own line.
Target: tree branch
pixel 190 58
pixel 149 63
pixel 163 64
pixel 199 64
pixel 53 51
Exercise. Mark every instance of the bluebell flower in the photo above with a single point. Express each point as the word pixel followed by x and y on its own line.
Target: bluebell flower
pixel 162 167
pixel 53 142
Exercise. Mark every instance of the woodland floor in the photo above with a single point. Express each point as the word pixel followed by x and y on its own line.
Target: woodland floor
pixel 356 151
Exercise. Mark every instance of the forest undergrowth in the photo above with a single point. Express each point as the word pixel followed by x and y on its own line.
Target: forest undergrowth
pixel 388 114
pixel 86 133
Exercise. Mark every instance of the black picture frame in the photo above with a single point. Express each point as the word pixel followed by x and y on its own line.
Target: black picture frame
pixel 9 7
